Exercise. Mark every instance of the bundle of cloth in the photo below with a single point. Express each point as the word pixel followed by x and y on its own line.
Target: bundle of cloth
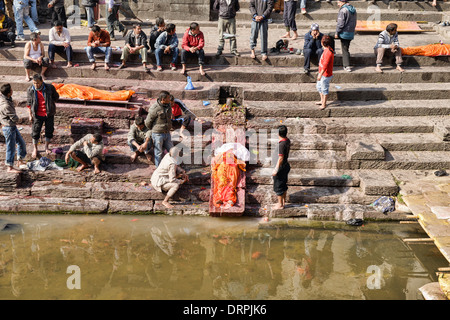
pixel 430 50
pixel 76 91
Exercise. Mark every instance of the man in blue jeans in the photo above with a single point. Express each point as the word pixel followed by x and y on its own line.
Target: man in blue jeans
pixel 159 121
pixel 167 43
pixel 99 42
pixel 21 13
pixel 8 120
pixel 260 10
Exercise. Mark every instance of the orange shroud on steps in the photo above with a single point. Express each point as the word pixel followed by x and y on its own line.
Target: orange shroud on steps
pixel 76 91
pixel 430 50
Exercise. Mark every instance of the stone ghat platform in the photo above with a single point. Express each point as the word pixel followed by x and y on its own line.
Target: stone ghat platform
pixel 343 158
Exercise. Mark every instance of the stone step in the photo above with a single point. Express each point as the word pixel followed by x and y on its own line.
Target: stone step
pixel 250 74
pixel 339 126
pixel 346 91
pixel 349 109
pixel 264 195
pixel 412 142
pixel 331 14
pixel 363 5
pixel 410 160
pixel 365 58
pixel 308 177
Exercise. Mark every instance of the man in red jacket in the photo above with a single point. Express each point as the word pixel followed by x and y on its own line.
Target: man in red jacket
pixel 192 44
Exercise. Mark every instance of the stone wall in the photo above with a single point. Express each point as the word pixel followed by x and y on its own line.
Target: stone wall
pixel 148 10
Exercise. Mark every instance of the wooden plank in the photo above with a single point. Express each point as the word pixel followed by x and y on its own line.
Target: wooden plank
pixel 378 26
pixel 418 239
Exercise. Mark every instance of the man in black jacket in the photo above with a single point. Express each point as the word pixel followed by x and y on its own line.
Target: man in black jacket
pixel 41 98
pixel 135 43
pixel 312 46
pixel 227 23
pixel 7 29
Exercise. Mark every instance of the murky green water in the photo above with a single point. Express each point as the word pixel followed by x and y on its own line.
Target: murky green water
pixel 169 257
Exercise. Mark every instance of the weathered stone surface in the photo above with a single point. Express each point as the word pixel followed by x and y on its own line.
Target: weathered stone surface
pixel 59 189
pixel 135 207
pixel 9 180
pixel 365 149
pixel 52 205
pixel 377 182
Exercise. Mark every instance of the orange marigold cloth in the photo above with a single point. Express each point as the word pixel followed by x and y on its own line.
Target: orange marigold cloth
pixel 431 50
pixel 76 91
pixel 226 169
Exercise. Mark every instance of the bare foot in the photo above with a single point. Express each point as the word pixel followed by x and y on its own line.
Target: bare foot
pixel 434 3
pixel 149 158
pixel 183 71
pixel 69 65
pixel 378 69
pixel 287 35
pixel 93 66
pixel 400 69
pixel 318 103
pixel 106 66
pixel 48 152
pixel 97 170
pixel 202 72
pixel 252 54
pixel 27 78
pixel 277 207
pixel 79 169
pixel 264 57
pixel 167 205
pixel 34 155
pixel 53 65
pixel 43 77
pixel 133 157
pixel 12 170
pixel 322 107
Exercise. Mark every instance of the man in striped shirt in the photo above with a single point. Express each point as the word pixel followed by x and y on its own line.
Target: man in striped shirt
pixel 388 39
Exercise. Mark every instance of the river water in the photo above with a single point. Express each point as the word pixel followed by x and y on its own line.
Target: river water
pixel 190 258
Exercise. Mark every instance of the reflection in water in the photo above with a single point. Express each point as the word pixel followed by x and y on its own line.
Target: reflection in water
pixel 160 257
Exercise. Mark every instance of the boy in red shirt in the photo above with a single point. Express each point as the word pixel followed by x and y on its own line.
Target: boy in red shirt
pixel 192 44
pixel 325 71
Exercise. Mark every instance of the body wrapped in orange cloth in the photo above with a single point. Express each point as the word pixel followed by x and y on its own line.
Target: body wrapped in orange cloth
pixel 226 169
pixel 431 50
pixel 76 91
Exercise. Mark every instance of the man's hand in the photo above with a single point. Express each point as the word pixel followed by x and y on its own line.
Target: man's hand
pixel 85 143
pixel 336 36
pixel 193 49
pixel 109 9
pixel 66 44
pixel 49 5
pixel 167 50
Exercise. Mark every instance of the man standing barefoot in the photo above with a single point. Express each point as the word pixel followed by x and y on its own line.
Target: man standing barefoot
pixel 282 168
pixel 41 98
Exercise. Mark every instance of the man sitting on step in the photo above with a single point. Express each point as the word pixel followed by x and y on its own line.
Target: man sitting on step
pixel 59 41
pixel 135 43
pixel 388 39
pixel 91 153
pixel 7 29
pixel 99 42
pixel 139 139
pixel 169 176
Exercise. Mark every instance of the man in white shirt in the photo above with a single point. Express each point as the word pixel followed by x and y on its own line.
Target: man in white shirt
pixel 59 41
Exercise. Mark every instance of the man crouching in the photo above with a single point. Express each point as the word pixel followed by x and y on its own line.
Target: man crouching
pixel 91 153
pixel 169 176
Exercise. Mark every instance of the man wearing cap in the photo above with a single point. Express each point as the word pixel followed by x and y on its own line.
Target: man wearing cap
pixel 312 45
pixel 345 30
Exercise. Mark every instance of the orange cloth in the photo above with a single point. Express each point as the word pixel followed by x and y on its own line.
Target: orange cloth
pixel 76 91
pixel 225 174
pixel 431 50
